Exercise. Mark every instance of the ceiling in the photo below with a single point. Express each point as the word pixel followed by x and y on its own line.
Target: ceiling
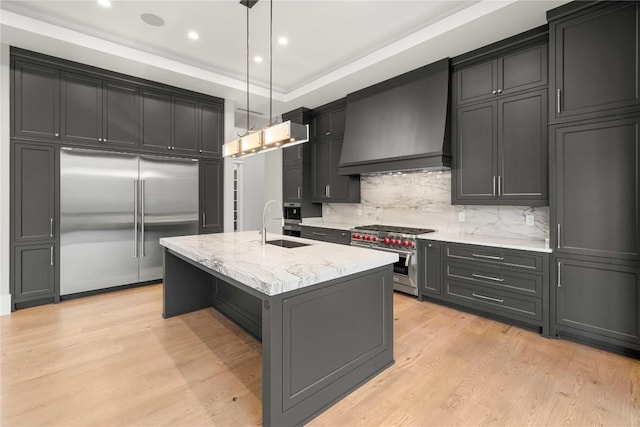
pixel 335 47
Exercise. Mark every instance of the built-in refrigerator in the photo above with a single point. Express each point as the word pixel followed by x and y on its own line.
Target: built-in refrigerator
pixel 114 208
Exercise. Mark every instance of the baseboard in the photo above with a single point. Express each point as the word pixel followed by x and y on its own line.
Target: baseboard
pixel 5 304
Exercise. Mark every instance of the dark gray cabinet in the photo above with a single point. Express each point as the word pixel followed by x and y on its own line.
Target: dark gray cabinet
pixel 292 183
pixel 156 121
pixel 81 113
pixel 329 123
pixel 331 235
pixel 33 189
pixel 120 115
pixel 292 154
pixel 211 127
pixel 33 272
pixel 36 100
pixel 501 151
pixel 184 125
pixel 211 196
pixel 328 186
pixel 598 300
pixel 597 188
pixel 515 71
pixel 594 55
pixel 429 268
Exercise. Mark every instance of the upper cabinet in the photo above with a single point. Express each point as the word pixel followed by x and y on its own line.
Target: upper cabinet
pixel 500 129
pixel 36 101
pixel 94 110
pixel 329 123
pixel 60 101
pixel 502 75
pixel 594 54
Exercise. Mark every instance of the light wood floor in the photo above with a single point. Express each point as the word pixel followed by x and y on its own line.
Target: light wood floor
pixel 112 360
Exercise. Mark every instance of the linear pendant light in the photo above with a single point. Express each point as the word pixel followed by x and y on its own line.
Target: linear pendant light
pixel 275 135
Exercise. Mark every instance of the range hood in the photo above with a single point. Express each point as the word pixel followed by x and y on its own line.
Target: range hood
pixel 399 124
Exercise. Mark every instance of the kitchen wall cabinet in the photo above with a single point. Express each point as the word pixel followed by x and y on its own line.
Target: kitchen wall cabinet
pixel 599 300
pixel 156 121
pixel 211 194
pixel 499 124
pixel 34 273
pixel 505 74
pixel 94 110
pixel 593 53
pixel 331 235
pixel 501 151
pixel 33 189
pixel 328 185
pixel 429 269
pixel 597 188
pixel 35 96
pixel 211 127
pixel 292 183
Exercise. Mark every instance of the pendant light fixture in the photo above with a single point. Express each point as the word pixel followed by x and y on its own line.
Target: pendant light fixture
pixel 274 136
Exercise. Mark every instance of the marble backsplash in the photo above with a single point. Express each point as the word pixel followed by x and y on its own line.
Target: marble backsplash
pixel 423 199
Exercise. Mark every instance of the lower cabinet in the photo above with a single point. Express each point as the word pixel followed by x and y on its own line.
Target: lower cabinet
pixel 510 284
pixel 34 272
pixel 598 301
pixel 331 235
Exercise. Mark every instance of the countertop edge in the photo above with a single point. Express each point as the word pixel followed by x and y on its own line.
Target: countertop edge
pixel 524 246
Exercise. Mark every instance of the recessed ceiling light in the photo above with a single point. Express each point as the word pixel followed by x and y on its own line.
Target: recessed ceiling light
pixel 283 40
pixel 193 35
pixel 258 59
pixel 104 3
pixel 151 19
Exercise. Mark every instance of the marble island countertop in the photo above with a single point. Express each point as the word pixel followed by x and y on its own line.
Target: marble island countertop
pixel 271 269
pixel 494 241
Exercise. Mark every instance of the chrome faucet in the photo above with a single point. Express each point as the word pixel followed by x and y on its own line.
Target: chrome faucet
pixel 265 222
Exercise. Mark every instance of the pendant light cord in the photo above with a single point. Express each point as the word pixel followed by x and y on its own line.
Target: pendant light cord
pixel 271 63
pixel 247 71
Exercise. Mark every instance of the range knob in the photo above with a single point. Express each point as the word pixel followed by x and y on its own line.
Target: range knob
pixel 410 244
pixel 375 239
pixel 385 240
pixel 368 238
pixel 354 236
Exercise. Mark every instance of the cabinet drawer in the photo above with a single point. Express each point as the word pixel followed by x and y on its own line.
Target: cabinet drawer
pixel 493 300
pixel 317 233
pixel 504 257
pixel 527 284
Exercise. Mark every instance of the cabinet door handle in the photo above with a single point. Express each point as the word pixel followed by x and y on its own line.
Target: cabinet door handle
pixel 558 237
pixel 299 152
pixel 315 233
pixel 499 185
pixel 204 219
pixel 299 192
pixel 51 256
pixel 135 218
pixel 142 226
pixel 480 276
pixel 559 273
pixel 487 298
pixel 497 258
pixel 328 133
pixel 50 227
pixel 494 186
pixel 559 94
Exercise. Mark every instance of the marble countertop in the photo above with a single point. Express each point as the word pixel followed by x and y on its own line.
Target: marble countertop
pixel 498 242
pixel 318 222
pixel 271 269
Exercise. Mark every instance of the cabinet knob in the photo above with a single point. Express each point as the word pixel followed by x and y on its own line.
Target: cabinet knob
pixel 201 151
pixel 430 245
pixel 56 134
pixel 169 147
pixel 499 90
pixel 494 92
pixel 100 139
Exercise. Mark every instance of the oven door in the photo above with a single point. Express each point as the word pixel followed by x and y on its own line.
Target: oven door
pixel 405 272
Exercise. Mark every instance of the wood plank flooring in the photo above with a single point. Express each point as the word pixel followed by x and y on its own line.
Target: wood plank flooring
pixel 111 360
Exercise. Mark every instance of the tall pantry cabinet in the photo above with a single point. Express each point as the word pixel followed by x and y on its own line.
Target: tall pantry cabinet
pixel 594 157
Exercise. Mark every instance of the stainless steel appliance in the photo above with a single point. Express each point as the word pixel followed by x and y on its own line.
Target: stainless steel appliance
pixel 401 240
pixel 113 210
pixel 292 219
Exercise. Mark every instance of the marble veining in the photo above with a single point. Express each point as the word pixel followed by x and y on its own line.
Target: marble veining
pixel 273 270
pixel 423 199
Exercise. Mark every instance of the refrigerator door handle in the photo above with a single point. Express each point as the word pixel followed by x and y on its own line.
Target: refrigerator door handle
pixel 135 218
pixel 142 217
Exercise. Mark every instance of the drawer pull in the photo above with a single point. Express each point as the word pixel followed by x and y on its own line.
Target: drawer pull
pixel 480 276
pixel 315 233
pixel 497 258
pixel 488 298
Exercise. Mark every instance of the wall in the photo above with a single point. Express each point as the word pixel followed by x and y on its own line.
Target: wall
pixel 229 112
pixel 5 296
pixel 424 199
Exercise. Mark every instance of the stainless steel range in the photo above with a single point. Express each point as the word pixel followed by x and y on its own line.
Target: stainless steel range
pixel 401 240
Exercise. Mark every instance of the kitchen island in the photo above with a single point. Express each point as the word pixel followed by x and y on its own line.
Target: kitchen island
pixel 324 312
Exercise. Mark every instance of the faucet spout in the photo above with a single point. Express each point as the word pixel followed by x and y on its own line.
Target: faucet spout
pixel 267 221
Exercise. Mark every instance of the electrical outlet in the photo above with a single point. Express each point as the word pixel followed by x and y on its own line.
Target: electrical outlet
pixel 528 219
pixel 461 217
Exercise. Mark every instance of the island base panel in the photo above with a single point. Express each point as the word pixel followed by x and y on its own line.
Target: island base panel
pixel 185 287
pixel 323 343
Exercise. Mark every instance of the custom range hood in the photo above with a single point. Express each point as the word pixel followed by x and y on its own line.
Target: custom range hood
pixel 399 124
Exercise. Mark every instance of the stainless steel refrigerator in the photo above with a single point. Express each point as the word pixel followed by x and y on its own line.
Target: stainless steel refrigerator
pixel 113 210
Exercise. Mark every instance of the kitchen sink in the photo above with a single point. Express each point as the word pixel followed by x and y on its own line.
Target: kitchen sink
pixel 286 243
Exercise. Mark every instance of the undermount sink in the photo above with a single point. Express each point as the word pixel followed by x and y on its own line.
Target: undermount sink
pixel 286 243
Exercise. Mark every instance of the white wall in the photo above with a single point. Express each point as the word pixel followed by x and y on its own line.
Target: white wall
pixel 5 297
pixel 229 119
